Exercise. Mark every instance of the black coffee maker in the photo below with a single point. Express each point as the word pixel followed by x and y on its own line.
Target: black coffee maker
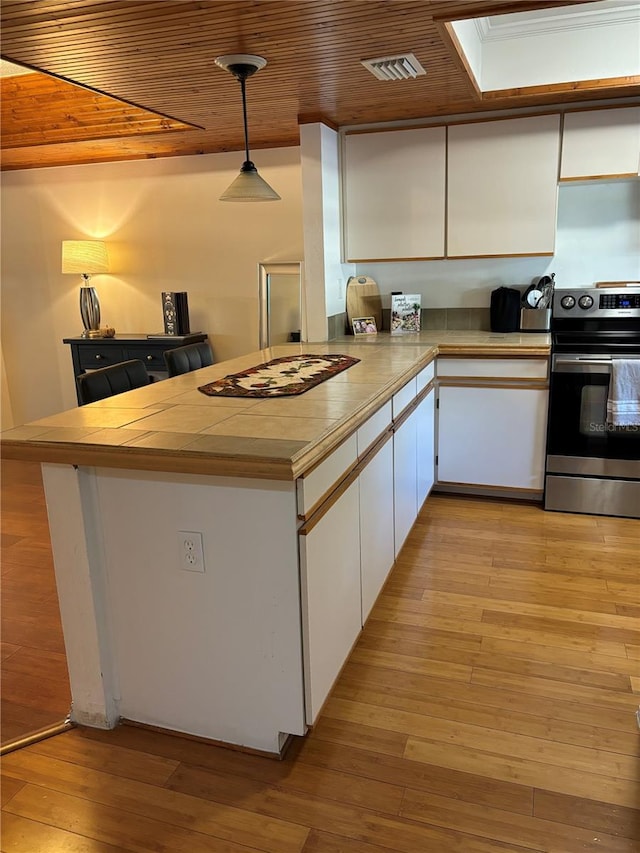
pixel 505 309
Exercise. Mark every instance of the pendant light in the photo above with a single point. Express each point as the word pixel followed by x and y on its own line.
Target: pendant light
pixel 248 186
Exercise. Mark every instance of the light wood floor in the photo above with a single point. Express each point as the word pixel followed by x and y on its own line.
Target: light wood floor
pixel 488 706
pixel 35 684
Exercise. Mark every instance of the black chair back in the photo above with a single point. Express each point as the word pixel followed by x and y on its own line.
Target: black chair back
pixel 115 379
pixel 185 359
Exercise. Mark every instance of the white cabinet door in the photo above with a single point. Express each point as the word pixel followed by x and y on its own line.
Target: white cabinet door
pixel 425 429
pixel 394 197
pixel 492 436
pixel 376 525
pixel 405 490
pixel 330 590
pixel 502 187
pixel 601 144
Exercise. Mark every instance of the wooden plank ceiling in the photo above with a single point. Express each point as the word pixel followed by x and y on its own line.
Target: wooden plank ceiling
pixel 156 59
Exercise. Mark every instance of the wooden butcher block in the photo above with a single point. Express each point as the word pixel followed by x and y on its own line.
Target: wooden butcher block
pixel 363 299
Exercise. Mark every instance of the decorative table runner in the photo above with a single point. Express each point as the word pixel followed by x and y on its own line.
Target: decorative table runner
pixel 281 377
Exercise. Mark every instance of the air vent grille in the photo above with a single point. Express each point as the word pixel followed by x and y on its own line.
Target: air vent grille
pixel 402 67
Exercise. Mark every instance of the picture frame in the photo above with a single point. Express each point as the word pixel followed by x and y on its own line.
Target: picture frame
pixel 364 326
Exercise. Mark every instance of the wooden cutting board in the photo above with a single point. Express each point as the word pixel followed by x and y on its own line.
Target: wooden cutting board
pixel 363 299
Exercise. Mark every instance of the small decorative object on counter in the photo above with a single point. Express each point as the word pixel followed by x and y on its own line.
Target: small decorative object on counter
pixel 364 326
pixel 108 332
pixel 405 313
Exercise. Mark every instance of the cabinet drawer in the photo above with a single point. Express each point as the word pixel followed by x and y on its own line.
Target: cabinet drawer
pixel 373 428
pixel 425 376
pixel 318 483
pixel 403 397
pixel 92 357
pixel 494 368
pixel 152 358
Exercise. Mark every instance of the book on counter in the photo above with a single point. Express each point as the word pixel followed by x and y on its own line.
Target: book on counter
pixel 405 313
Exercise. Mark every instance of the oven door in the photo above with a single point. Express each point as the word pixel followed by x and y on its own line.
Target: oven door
pixel 580 439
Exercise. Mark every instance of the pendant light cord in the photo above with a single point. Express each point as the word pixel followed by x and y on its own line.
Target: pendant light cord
pixel 244 116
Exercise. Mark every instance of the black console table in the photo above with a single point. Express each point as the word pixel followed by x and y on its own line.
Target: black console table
pixel 90 353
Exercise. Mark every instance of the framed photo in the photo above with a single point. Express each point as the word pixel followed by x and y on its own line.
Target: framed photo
pixel 364 326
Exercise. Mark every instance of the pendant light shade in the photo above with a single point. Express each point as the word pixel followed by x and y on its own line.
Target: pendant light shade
pixel 248 186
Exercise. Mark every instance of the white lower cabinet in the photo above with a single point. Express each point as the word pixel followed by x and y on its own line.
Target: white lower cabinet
pixel 425 434
pixel 330 592
pixel 405 479
pixel 491 436
pixel 376 525
pixel 348 548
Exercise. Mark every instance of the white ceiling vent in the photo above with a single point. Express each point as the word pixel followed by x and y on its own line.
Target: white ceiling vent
pixel 401 67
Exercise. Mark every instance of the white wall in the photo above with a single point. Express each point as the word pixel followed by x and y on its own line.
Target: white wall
pixel 325 274
pixel 166 230
pixel 598 239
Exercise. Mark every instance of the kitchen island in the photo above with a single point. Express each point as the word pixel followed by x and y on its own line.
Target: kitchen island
pixel 297 503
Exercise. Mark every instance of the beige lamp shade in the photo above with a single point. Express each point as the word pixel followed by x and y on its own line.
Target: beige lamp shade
pixel 249 186
pixel 85 257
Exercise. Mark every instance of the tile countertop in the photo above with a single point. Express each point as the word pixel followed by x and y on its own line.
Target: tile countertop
pixel 171 426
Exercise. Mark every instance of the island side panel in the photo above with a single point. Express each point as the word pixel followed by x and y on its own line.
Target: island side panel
pixel 79 566
pixel 216 654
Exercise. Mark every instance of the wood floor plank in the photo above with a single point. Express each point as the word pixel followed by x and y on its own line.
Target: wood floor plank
pixel 554 689
pixel 7 649
pixel 432 598
pixel 499 696
pixel 118 827
pixel 371 738
pixel 564 657
pixel 408 663
pixel 356 824
pixel 546 727
pixel 117 761
pixel 527 629
pixel 423 633
pixel 624 631
pixel 527 831
pixel 456 664
pixel 466 787
pixel 325 842
pixel 470 736
pixel 148 802
pixel 535 601
pixel 8 788
pixel 321 783
pixel 589 814
pixel 20 835
pixel 525 771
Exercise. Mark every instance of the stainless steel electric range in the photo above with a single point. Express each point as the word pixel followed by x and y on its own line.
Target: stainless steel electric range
pixel 592 466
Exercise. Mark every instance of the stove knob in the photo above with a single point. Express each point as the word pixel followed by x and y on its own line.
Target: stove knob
pixel 567 301
pixel 585 302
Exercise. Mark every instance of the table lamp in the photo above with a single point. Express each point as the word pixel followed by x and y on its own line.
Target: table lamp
pixel 86 258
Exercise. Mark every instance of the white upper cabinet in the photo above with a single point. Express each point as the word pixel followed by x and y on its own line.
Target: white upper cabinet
pixel 394 194
pixel 601 144
pixel 502 187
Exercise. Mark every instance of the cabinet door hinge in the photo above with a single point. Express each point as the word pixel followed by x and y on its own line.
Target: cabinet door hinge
pixel 436 460
pixel 437 402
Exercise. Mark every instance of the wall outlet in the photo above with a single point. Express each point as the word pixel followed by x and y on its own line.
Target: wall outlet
pixel 191 553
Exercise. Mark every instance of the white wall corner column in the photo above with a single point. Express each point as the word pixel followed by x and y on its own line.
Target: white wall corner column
pixel 78 554
pixel 325 274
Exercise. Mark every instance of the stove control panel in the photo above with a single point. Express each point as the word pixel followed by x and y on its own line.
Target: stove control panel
pixel 596 302
pixel 620 300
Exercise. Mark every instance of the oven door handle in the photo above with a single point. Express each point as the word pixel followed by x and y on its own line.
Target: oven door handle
pixel 580 365
pixel 580 361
